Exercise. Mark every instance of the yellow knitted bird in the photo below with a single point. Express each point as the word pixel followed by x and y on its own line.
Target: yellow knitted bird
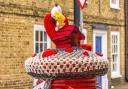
pixel 60 18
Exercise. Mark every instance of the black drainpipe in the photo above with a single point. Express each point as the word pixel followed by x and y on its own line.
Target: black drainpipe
pixel 76 13
pixel 126 39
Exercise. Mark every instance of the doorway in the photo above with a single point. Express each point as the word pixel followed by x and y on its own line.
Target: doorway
pixel 100 45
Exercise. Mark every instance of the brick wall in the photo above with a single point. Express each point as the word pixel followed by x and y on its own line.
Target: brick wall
pixel 120 80
pixel 16 44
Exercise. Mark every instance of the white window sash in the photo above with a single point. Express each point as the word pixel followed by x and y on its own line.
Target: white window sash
pixel 40 28
pixel 115 74
pixel 84 32
pixel 115 5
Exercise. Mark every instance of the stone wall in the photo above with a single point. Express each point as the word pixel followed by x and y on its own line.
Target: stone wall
pixel 16 44
pixel 16 37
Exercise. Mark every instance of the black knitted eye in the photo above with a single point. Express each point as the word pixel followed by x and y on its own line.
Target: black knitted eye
pixel 53 21
pixel 56 4
pixel 74 31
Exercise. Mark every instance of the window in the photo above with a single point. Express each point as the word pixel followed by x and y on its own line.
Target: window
pixel 41 40
pixel 114 4
pixel 115 54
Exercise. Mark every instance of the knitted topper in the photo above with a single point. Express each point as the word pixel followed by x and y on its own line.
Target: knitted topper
pixel 61 33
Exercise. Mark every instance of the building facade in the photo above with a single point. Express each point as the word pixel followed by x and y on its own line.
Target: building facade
pixel 105 19
pixel 22 33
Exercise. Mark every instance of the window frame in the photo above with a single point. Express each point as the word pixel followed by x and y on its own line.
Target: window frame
pixel 40 28
pixel 116 5
pixel 115 74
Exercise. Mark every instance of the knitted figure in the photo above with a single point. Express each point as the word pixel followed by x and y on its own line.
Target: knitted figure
pixel 60 32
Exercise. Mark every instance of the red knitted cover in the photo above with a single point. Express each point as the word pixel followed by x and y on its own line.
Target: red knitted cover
pixel 80 83
pixel 65 36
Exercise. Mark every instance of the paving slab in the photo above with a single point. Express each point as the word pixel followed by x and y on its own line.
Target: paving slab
pixel 122 86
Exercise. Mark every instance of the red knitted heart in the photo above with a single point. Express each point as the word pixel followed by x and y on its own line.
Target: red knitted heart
pixel 61 66
pixel 55 67
pixel 67 65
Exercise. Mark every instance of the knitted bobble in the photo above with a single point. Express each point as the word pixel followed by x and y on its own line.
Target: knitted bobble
pixel 34 54
pixel 49 52
pixel 85 53
pixel 86 47
pixel 99 54
pixel 69 50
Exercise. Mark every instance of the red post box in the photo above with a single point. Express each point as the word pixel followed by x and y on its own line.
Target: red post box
pixel 80 83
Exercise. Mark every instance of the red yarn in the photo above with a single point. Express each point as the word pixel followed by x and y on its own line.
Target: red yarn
pixel 63 37
pixel 33 55
pixel 39 81
pixel 69 50
pixel 49 52
pixel 99 54
pixel 86 53
pixel 86 46
pixel 79 83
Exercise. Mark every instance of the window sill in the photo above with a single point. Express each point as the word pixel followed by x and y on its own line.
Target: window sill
pixel 115 7
pixel 116 76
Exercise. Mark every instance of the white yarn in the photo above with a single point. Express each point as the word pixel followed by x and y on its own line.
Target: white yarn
pixel 56 9
pixel 57 26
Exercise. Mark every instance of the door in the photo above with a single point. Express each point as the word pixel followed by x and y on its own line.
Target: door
pixel 41 39
pixel 100 45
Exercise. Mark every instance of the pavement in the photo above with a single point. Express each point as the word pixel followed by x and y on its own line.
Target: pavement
pixel 122 86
